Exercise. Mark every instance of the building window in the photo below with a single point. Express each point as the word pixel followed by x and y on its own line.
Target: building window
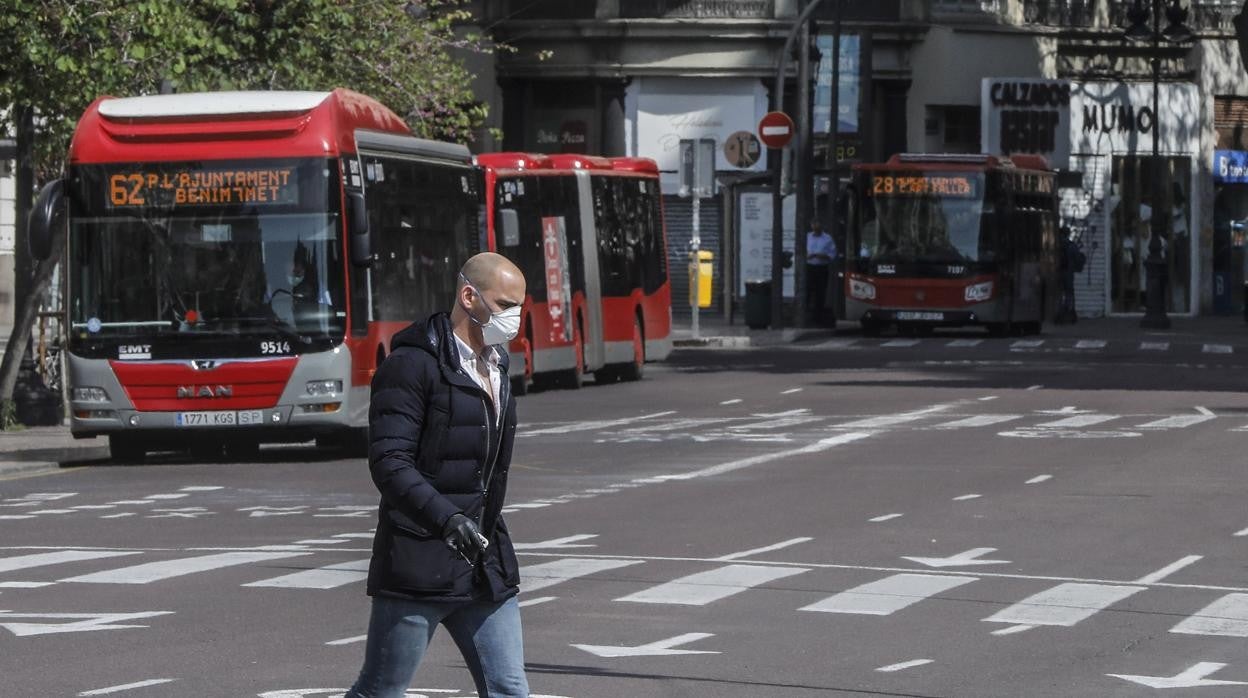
pixel 952 128
pixel 972 6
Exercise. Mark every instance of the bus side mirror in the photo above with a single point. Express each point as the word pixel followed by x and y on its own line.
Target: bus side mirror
pixel 511 227
pixel 361 244
pixel 43 216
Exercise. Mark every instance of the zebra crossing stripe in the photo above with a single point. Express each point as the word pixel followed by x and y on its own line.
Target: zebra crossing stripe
pixel 21 562
pixel 548 574
pixel 1081 420
pixel 889 595
pixel 713 585
pixel 1090 344
pixel 965 343
pixel 900 343
pixel 1177 422
pixel 1027 344
pixel 1227 617
pixel 979 420
pixel 1064 604
pixel 1217 349
pixel 328 577
pixel 165 569
pixel 837 344
pixel 1154 346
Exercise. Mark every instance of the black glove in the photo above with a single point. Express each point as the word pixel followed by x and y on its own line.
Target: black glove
pixel 463 536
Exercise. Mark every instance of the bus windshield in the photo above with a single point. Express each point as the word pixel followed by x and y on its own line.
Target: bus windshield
pixel 209 270
pixel 920 218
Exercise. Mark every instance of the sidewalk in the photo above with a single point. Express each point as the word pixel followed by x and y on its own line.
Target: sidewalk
pixel 716 333
pixel 45 448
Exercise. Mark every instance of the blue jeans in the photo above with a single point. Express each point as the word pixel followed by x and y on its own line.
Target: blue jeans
pixel 487 633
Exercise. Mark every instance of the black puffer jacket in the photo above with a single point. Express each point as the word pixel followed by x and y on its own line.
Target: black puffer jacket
pixel 435 451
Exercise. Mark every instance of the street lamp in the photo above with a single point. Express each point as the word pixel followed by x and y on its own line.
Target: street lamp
pixel 1146 26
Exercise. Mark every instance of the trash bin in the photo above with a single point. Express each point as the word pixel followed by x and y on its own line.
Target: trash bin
pixel 758 303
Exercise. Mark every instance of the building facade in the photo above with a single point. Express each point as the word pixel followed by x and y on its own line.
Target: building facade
pixel 635 77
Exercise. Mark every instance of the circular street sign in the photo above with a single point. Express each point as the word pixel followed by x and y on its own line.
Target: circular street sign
pixel 742 149
pixel 775 129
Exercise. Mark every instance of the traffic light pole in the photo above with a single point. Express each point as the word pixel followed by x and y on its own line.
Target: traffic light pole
pixel 777 197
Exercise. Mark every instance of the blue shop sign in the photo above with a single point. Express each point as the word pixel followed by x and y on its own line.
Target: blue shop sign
pixel 1230 166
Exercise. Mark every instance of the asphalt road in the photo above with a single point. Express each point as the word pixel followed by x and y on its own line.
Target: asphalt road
pixel 847 517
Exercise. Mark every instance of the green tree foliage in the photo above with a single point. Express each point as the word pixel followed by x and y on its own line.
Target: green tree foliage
pixel 59 55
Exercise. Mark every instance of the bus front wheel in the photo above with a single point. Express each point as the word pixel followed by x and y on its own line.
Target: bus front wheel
pixel 636 370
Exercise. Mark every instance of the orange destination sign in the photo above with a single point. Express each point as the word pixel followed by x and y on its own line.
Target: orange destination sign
pixel 922 184
pixel 195 187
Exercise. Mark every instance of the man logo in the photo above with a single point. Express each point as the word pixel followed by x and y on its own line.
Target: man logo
pixel 197 391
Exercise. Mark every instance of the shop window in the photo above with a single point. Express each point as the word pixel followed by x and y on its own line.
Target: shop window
pixel 1141 189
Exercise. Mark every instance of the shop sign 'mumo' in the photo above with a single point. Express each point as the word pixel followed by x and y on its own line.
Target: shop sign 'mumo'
pixel 1027 116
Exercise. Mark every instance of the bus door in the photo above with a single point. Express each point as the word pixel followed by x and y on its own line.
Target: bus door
pixel 591 332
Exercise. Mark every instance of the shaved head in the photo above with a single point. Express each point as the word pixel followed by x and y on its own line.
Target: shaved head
pixel 488 271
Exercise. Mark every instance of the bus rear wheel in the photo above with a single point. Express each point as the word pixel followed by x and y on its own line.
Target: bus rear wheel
pixel 125 448
pixel 636 370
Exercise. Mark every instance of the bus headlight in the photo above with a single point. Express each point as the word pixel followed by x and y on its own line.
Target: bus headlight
pixel 861 290
pixel 324 387
pixel 90 394
pixel 979 292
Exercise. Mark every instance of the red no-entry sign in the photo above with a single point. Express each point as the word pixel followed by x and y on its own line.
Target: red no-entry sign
pixel 775 129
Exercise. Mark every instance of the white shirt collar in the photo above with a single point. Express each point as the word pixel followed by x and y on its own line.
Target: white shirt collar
pixel 468 357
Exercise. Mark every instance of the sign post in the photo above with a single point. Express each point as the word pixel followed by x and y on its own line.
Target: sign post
pixel 697 179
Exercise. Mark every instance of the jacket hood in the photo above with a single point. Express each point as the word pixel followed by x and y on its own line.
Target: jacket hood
pixel 433 335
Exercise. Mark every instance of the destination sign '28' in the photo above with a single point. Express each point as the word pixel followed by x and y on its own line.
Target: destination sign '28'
pixel 925 184
pixel 198 187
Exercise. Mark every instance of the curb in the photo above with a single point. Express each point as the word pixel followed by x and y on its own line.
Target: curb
pixel 26 467
pixel 730 342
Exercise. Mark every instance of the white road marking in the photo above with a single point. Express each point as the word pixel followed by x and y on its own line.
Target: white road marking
pixel 50 496
pixel 963 559
pixel 1090 344
pixel 790 391
pixel 1169 569
pixel 965 497
pixel 818 446
pixel 348 640
pixel 21 562
pixel 1039 479
pixel 889 420
pixel 988 398
pixel 95 506
pixel 1013 629
pixel 886 517
pixel 889 595
pixel 1034 387
pixel 126 687
pixel 1154 346
pixel 559 543
pixel 165 569
pixel 1227 617
pixel 328 577
pixel 200 488
pixel 979 420
pixel 836 344
pixel 732 402
pixel 134 501
pixel 775 424
pixel 1241 534
pixel 674 425
pixel 539 600
pixel 765 549
pixel 321 541
pixel 122 515
pixel 15 517
pixel 548 574
pixel 900 343
pixel 1191 677
pixel 1176 422
pixel 25 585
pixel 965 343
pixel 1064 604
pixel 904 665
pixel 1027 344
pixel 78 622
pixel 713 585
pixel 653 649
pixel 1082 420
pixel 593 425
pixel 52 511
pixel 1205 410
pixel 1217 349
pixel 176 495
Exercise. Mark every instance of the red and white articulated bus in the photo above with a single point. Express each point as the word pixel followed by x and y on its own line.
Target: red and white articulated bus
pixel 588 233
pixel 237 263
pixel 952 240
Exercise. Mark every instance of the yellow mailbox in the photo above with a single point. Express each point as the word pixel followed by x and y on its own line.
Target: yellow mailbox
pixel 700 272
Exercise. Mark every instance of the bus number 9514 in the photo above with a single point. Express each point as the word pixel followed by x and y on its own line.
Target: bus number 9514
pixel 274 347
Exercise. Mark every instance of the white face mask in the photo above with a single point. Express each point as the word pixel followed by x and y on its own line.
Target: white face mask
pixel 295 280
pixel 502 327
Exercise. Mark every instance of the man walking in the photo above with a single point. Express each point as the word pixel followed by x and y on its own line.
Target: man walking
pixel 442 554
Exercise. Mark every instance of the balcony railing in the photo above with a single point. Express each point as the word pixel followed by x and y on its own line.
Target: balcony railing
pixel 699 9
pixel 1205 15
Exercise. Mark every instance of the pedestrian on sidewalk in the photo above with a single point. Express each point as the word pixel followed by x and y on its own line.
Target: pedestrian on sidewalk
pixel 442 554
pixel 820 253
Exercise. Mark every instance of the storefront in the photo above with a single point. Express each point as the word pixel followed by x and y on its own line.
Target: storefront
pixel 1101 135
